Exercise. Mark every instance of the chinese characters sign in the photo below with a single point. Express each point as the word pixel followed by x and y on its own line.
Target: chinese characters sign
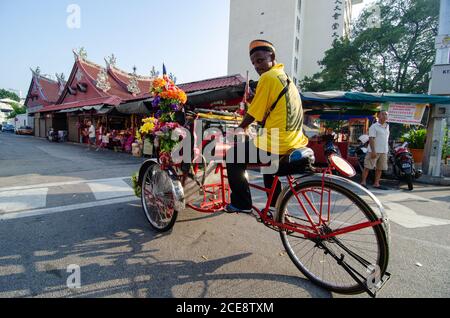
pixel 337 13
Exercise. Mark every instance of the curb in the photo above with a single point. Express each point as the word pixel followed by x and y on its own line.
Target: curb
pixel 440 181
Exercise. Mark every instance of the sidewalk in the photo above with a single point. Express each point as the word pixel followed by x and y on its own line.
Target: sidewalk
pixel 440 181
pixel 444 180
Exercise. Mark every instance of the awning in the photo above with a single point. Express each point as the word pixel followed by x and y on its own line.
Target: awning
pixel 101 109
pixel 372 98
pixel 142 107
pixel 108 101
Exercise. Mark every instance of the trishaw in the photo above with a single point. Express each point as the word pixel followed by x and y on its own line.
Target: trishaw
pixel 334 230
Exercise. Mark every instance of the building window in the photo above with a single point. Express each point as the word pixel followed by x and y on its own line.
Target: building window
pixel 295 81
pixel 296 65
pixel 298 24
pixel 297 44
pixel 299 6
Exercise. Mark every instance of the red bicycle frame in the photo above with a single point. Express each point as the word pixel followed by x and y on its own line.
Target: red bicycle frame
pixel 217 195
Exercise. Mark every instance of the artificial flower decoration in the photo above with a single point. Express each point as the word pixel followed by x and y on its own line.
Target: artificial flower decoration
pixel 162 129
pixel 167 98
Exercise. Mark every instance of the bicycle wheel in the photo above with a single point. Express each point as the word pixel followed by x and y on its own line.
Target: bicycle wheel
pixel 409 181
pixel 158 199
pixel 365 250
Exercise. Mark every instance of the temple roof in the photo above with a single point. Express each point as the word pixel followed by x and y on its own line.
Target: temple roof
pixel 43 91
pixel 92 84
pixel 213 83
pixel 100 82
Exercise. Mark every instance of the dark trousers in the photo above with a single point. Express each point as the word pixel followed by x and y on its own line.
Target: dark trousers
pixel 241 197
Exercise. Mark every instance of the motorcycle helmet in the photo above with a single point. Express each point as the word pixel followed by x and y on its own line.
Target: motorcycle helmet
pixel 364 139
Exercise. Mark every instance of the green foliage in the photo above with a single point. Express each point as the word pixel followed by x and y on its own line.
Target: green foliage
pixel 136 187
pixel 446 148
pixel 335 125
pixel 7 94
pixel 397 57
pixel 397 131
pixel 17 110
pixel 416 138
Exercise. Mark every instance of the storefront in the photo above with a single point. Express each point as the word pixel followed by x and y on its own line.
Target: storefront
pixel 349 115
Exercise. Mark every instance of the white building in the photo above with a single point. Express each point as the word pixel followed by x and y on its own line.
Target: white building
pixel 5 111
pixel 301 30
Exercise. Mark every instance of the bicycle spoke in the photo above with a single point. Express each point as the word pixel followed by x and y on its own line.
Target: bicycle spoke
pixel 357 248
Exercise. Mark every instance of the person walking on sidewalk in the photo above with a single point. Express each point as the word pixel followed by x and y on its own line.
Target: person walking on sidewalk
pixel 92 136
pixel 377 155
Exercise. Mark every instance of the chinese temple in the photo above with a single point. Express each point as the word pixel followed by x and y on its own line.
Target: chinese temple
pixel 113 100
pixel 43 92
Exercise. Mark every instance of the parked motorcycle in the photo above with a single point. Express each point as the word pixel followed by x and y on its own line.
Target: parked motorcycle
pixel 403 165
pixel 57 136
pixel 52 135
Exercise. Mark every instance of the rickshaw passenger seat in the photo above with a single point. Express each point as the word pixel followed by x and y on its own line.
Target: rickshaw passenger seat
pixel 296 162
pixel 302 154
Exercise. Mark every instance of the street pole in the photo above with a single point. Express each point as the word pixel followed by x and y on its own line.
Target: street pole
pixel 436 126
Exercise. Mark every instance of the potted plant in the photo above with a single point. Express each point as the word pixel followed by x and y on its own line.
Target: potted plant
pixel 416 143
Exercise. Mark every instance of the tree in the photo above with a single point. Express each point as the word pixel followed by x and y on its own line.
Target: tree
pixel 7 94
pixel 397 56
pixel 17 110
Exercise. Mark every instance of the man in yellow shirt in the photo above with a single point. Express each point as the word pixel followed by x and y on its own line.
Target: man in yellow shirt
pixel 278 108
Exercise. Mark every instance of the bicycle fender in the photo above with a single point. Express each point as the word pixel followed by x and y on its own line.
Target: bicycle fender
pixel 177 187
pixel 368 197
pixel 177 190
pixel 144 168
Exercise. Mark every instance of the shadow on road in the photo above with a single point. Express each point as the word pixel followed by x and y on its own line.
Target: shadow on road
pixel 120 257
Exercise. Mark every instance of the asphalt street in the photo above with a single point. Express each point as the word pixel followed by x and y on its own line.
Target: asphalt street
pixel 61 205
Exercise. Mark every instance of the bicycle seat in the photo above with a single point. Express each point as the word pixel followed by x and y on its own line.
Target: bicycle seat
pixel 296 162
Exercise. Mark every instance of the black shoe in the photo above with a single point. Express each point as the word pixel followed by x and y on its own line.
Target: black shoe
pixel 232 209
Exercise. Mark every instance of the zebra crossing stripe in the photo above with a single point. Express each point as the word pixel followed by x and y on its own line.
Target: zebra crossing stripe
pixel 74 207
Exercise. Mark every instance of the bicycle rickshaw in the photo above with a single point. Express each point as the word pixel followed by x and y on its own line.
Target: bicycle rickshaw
pixel 334 230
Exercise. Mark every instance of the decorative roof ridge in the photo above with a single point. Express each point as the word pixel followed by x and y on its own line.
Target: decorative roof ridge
pixel 125 73
pixel 37 73
pixel 90 63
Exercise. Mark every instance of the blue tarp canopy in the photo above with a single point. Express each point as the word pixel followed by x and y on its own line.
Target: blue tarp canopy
pixel 332 97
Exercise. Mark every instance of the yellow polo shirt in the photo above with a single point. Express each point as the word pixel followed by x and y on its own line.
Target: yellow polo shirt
pixel 283 131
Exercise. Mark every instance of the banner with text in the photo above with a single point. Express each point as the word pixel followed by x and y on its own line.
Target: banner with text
pixel 406 113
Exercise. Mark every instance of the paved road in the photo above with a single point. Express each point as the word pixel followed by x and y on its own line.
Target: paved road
pixel 63 205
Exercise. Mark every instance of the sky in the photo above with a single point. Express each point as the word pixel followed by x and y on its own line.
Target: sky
pixel 190 37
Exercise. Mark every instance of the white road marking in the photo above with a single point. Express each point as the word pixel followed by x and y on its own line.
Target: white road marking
pixel 401 196
pixel 12 201
pixel 406 217
pixel 58 184
pixel 24 214
pixel 110 189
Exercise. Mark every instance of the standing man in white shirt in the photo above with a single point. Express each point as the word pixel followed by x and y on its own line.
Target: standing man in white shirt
pixel 92 136
pixel 377 155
